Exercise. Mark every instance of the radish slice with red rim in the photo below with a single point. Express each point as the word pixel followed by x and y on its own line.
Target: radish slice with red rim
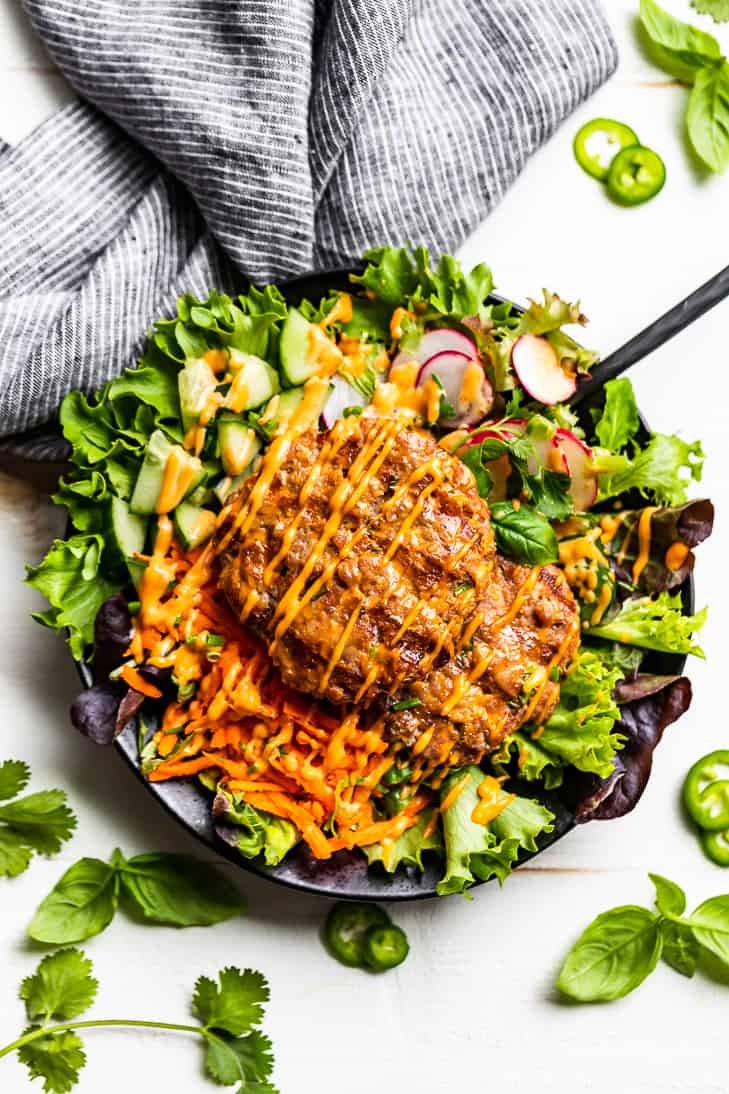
pixel 537 365
pixel 581 467
pixel 468 392
pixel 342 396
pixel 444 340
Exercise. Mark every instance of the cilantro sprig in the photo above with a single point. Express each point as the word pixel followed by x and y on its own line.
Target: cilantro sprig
pixel 39 822
pixel 229 1012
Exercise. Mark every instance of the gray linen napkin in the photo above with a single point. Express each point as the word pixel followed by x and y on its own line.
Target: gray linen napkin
pixel 271 137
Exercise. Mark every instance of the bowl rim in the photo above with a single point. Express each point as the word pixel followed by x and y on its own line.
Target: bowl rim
pixel 190 804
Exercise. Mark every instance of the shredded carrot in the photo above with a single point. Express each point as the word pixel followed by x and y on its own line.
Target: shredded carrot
pixel 280 751
pixel 134 679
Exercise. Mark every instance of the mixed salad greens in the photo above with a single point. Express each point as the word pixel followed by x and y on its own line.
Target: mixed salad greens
pixel 594 495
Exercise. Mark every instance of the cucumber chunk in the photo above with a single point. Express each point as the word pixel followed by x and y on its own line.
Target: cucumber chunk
pixel 209 471
pixel 297 362
pixel 195 382
pixel 151 478
pixel 228 486
pixel 127 531
pixel 290 400
pixel 193 525
pixel 136 570
pixel 239 444
pixel 254 382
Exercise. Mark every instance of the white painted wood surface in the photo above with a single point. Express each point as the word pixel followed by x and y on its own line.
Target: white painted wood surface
pixel 473 1006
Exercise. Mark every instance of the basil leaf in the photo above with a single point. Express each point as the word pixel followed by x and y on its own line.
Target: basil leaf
pixel 680 948
pixel 612 956
pixel 707 117
pixel 79 906
pixel 670 897
pixel 179 891
pixel 709 924
pixel 678 48
pixel 524 534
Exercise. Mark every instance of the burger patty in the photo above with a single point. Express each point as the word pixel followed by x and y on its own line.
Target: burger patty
pixel 367 563
pixel 363 559
pixel 525 632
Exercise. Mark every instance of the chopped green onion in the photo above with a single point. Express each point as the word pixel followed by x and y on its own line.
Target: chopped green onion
pixel 407 704
pixel 133 607
pixel 463 587
pixel 214 640
pixel 352 411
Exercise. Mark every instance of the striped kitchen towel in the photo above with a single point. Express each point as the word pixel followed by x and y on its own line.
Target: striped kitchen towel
pixel 217 139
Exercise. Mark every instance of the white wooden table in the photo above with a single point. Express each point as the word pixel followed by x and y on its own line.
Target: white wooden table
pixel 473 1007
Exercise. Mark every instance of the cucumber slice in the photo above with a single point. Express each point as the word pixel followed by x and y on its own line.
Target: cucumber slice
pixel 288 401
pixel 228 485
pixel 193 525
pixel 209 471
pixel 136 568
pixel 195 382
pixel 127 531
pixel 254 381
pixel 202 496
pixel 151 478
pixel 239 444
pixel 294 349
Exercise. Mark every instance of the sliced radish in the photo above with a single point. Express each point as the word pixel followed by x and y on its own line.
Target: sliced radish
pixel 451 369
pixel 342 396
pixel 537 365
pixel 445 340
pixel 581 467
pixel 547 453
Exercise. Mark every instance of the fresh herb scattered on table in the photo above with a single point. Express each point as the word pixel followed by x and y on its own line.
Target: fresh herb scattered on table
pixel 620 948
pixel 695 58
pixel 38 822
pixel 229 1013
pixel 174 890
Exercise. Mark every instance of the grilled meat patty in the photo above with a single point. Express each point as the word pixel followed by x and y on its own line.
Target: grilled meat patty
pixel 362 560
pixel 525 631
pixel 368 565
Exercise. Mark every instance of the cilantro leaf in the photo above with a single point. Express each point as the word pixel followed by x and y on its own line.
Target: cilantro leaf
pixel 247 1060
pixel 717 9
pixel 14 776
pixel 61 988
pixel 236 1006
pixel 15 854
pixel 43 820
pixel 56 1058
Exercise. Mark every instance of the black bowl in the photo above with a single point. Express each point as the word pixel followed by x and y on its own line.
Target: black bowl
pixel 346 875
